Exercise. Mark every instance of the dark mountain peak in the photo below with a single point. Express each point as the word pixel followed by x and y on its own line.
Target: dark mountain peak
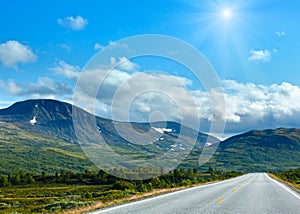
pixel 42 117
pixel 27 106
pixel 40 110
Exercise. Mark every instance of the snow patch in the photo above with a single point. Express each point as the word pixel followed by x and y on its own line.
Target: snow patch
pixel 162 130
pixel 207 144
pixel 33 121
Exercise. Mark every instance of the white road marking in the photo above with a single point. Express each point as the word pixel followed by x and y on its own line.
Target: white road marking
pixel 284 187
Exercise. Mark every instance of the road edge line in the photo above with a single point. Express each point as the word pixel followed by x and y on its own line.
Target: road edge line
pixel 284 187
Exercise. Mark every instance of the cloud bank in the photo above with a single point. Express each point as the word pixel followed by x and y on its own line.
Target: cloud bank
pixel 43 88
pixel 137 96
pixel 250 106
pixel 124 93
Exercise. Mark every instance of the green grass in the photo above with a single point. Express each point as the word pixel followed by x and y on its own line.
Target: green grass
pixel 48 199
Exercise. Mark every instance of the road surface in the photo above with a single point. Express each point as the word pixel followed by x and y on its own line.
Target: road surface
pixel 252 193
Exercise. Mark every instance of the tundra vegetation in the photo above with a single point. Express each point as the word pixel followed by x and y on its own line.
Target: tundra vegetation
pixel 54 193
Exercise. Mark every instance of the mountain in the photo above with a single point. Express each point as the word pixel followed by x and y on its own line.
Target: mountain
pixel 39 135
pixel 49 118
pixel 259 150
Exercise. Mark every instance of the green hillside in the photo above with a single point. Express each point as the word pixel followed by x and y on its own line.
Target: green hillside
pixel 23 151
pixel 51 145
pixel 265 150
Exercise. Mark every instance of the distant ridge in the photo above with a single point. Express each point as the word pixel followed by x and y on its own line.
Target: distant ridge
pixel 260 150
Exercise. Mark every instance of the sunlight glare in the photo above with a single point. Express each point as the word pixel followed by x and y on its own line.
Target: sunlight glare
pixel 226 13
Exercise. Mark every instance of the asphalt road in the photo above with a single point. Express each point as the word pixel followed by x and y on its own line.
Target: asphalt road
pixel 252 193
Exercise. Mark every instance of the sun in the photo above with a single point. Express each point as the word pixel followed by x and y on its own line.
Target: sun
pixel 226 13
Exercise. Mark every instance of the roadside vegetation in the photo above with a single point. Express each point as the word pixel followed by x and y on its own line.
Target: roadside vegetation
pixel 55 193
pixel 291 177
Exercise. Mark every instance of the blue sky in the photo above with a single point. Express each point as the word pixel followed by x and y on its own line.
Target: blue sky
pixel 253 46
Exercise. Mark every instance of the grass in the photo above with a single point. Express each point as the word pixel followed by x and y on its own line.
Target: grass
pixel 49 199
pixel 67 198
pixel 79 193
pixel 138 196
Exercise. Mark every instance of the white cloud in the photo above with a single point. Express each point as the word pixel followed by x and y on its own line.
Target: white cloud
pixel 44 87
pixel 124 64
pixel 73 23
pixel 112 43
pixel 250 106
pixel 98 46
pixel 260 55
pixel 117 44
pixel 137 95
pixel 12 53
pixel 10 87
pixel 69 71
pixel 280 33
pixel 66 47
